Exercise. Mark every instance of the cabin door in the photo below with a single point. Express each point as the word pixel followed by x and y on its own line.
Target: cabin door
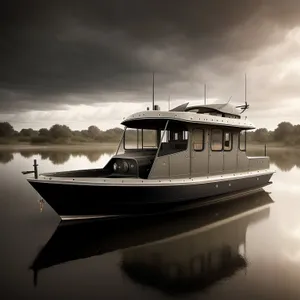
pixel 230 151
pixel 199 152
pixel 216 156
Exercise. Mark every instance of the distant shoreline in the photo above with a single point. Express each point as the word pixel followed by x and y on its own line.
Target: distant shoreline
pixel 271 146
pixel 113 146
pixel 55 147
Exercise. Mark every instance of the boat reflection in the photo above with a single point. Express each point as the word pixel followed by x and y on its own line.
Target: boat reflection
pixel 181 252
pixel 195 260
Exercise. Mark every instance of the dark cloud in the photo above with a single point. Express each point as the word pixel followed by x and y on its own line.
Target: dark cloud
pixel 50 50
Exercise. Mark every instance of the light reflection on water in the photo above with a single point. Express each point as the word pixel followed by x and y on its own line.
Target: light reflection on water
pixel 141 260
pixel 57 157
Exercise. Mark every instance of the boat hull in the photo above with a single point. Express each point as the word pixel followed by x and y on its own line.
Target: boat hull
pixel 82 201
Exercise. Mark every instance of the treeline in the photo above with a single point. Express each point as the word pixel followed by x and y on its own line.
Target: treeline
pixel 285 133
pixel 59 134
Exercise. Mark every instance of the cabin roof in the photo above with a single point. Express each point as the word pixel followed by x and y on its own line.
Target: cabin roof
pixel 193 114
pixel 224 108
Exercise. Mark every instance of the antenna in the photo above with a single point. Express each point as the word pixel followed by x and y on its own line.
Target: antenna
pixel 245 89
pixel 169 103
pixel 204 94
pixel 246 105
pixel 229 99
pixel 153 92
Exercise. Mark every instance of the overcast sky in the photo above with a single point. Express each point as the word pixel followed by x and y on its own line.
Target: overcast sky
pixel 90 62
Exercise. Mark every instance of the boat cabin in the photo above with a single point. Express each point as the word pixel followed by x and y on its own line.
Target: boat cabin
pixel 185 142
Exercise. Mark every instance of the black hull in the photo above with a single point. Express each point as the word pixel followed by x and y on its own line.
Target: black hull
pixel 79 240
pixel 71 201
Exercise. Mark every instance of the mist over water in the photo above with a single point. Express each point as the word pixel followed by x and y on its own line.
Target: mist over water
pixel 244 249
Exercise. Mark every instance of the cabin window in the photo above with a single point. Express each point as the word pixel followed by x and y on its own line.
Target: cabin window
pixel 176 136
pixel 140 139
pixel 198 139
pixel 185 135
pixel 174 140
pixel 216 140
pixel 227 141
pixel 149 139
pixel 242 140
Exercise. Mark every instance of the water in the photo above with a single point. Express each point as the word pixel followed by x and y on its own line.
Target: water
pixel 244 249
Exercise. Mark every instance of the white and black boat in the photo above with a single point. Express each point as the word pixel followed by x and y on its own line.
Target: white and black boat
pixel 179 157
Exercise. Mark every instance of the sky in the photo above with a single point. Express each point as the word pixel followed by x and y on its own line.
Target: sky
pixel 83 63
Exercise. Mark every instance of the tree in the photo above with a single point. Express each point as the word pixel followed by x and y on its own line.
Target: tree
pixel 283 130
pixel 113 135
pixel 60 131
pixel 28 132
pixel 6 130
pixel 261 135
pixel 76 133
pixel 94 131
pixel 85 133
pixel 297 130
pixel 44 132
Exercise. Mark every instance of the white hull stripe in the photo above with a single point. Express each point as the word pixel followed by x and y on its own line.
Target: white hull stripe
pixel 96 181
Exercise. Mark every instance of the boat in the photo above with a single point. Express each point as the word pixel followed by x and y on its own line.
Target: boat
pixel 165 161
pixel 206 238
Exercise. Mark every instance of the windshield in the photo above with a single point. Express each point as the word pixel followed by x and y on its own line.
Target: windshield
pixel 171 139
pixel 140 139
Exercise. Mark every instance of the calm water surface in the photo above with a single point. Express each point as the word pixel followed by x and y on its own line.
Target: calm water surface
pixel 244 249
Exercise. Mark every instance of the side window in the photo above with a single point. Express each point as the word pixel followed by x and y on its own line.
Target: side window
pixel 175 140
pixel 185 135
pixel 198 139
pixel 216 140
pixel 242 140
pixel 178 136
pixel 227 141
